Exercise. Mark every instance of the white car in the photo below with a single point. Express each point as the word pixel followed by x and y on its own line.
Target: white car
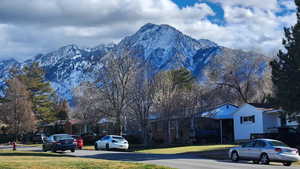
pixel 112 142
pixel 265 150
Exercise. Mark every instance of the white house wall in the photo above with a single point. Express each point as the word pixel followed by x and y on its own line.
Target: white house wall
pixel 244 130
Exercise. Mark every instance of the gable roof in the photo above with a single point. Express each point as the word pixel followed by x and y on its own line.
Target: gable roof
pixel 263 107
pixel 224 111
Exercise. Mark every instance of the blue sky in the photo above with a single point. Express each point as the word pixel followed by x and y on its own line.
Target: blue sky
pixel 31 27
pixel 218 18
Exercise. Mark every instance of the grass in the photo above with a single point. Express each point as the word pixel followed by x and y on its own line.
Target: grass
pixel 39 160
pixel 185 149
pixel 31 145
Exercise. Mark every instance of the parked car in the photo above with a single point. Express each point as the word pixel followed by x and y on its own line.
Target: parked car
pixel 112 142
pixel 61 142
pixel 78 140
pixel 288 135
pixel 265 150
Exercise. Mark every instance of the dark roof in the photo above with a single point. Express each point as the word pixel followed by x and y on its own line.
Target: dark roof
pixel 260 105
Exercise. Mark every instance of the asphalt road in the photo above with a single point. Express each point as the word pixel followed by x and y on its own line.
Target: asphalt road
pixel 186 161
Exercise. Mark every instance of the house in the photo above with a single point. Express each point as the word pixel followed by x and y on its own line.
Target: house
pixel 255 118
pixel 224 115
pixel 207 125
pixel 76 127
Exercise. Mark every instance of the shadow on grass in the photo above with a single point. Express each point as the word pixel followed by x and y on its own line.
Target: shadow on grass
pixel 37 154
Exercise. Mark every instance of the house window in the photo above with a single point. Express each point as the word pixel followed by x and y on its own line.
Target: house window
pixel 247 119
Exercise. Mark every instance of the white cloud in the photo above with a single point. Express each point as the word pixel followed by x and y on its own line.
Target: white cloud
pixel 31 27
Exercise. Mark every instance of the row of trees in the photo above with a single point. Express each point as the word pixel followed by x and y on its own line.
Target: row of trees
pixel 29 101
pixel 129 92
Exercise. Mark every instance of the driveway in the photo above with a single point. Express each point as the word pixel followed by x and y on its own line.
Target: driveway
pixel 180 161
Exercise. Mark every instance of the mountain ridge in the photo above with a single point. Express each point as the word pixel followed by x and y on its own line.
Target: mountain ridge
pixel 163 47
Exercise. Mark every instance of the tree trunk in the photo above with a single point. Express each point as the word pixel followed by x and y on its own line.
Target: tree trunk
pixel 169 132
pixel 119 124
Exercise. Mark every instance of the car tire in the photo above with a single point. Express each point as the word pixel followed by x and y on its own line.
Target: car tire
pixel 44 149
pixel 72 150
pixel 235 156
pixel 107 147
pixel 264 159
pixel 96 146
pixel 287 163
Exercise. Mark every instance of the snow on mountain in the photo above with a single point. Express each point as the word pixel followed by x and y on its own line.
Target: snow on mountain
pixel 161 46
pixel 5 67
pixel 164 47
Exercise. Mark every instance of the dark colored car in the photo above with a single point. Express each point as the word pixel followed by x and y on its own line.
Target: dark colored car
pixel 61 142
pixel 78 140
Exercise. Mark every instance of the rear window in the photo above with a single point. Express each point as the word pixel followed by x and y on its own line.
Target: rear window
pixel 118 137
pixel 62 137
pixel 278 143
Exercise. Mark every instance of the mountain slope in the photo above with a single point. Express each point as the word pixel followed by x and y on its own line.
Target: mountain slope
pixel 161 46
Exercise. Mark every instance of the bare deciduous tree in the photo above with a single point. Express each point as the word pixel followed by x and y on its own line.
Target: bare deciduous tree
pixel 17 109
pixel 89 105
pixel 242 77
pixel 141 101
pixel 115 83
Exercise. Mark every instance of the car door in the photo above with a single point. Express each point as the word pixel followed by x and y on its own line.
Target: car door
pixel 245 150
pixel 102 142
pixel 257 149
pixel 48 142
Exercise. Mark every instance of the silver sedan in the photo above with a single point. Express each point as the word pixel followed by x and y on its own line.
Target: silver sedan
pixel 264 151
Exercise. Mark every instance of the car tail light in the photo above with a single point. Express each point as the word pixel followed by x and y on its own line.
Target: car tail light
pixel 278 150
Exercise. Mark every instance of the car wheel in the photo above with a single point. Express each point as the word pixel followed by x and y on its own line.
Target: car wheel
pixel 264 159
pixel 287 163
pixel 44 149
pixel 234 156
pixel 72 150
pixel 96 146
pixel 107 147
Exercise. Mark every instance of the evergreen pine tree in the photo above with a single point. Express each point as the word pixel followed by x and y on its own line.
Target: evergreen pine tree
pixel 286 70
pixel 41 93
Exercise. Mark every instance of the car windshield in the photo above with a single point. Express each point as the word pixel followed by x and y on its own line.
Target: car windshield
pixel 118 137
pixel 62 137
pixel 278 143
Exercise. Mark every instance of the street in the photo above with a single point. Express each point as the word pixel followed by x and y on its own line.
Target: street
pixel 176 161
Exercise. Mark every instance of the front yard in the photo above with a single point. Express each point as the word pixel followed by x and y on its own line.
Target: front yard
pixel 185 149
pixel 39 160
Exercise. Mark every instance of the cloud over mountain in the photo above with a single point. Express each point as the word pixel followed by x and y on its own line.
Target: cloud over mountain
pixel 27 27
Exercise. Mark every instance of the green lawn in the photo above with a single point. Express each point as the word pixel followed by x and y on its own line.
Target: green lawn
pixel 185 149
pixel 39 160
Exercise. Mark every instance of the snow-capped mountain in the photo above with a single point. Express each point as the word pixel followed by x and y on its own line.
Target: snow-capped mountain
pixel 164 47
pixel 161 46
pixel 5 67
